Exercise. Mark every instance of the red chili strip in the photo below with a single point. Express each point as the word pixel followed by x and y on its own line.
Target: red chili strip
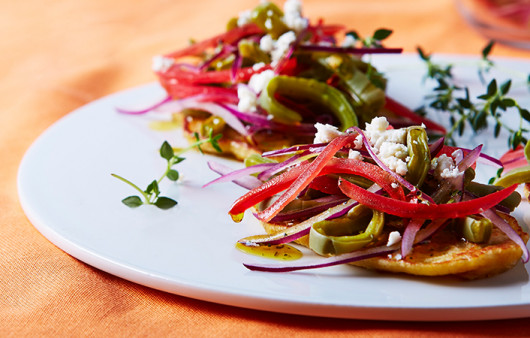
pixel 421 210
pixel 333 166
pixel 228 37
pixel 403 111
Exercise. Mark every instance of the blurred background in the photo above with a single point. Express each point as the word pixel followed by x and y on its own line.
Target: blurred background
pixel 97 47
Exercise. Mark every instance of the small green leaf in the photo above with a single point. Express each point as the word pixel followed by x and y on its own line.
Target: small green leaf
pixel 382 34
pixel 215 144
pixel 177 159
pixel 505 87
pixel 165 203
pixel 517 139
pixel 492 88
pixel 132 201
pixel 508 102
pixel 166 151
pixel 493 107
pixel 425 57
pixel 486 51
pixel 525 114
pixel 497 129
pixel 173 175
pixel 152 188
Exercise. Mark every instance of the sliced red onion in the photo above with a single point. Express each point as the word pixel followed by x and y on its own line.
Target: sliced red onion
pixel 293 216
pixel 399 178
pixel 436 146
pixel 354 256
pixel 144 110
pixel 236 174
pixel 293 233
pixel 225 50
pixel 350 50
pixel 486 159
pixel 236 66
pixel 315 148
pixel 376 189
pixel 500 223
pixel 262 122
pixel 291 161
pixel 409 235
pixel 247 182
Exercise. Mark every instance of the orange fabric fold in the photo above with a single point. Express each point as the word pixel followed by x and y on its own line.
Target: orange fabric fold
pixel 58 56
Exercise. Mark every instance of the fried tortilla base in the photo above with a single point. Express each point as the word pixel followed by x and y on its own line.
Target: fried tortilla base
pixel 447 254
pixel 234 144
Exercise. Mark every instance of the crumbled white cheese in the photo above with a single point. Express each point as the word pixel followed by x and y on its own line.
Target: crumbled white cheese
pixel 445 168
pixel 258 66
pixel 281 46
pixel 292 15
pixel 266 43
pixel 458 155
pixel 393 238
pixel 395 164
pixel 394 185
pixel 259 81
pixel 451 173
pixel 244 18
pixel 388 144
pixel 391 135
pixel 268 24
pixel 355 155
pixel 349 41
pixel 326 133
pixel 161 64
pixel 358 142
pixel 378 124
pixel 398 150
pixel 248 100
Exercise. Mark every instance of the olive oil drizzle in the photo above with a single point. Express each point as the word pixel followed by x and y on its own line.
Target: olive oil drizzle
pixel 282 252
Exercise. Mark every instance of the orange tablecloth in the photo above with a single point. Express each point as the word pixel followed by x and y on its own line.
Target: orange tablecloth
pixel 57 56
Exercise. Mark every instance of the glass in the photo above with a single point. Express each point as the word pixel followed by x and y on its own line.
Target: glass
pixel 505 21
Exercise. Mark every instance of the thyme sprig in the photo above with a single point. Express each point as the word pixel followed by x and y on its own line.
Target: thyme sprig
pixel 373 41
pixel 151 194
pixel 466 112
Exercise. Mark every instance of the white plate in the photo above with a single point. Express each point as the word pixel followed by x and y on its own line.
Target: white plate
pixel 67 192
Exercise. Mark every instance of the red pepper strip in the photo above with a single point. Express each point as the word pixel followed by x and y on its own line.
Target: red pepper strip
pixel 514 158
pixel 334 166
pixel 228 37
pixel 367 170
pixel 267 189
pixel 326 184
pixel 182 75
pixel 420 210
pixel 179 91
pixel 306 177
pixel 403 111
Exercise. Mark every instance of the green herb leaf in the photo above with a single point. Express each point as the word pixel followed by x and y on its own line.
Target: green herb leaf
pixel 492 88
pixel 132 201
pixel 165 202
pixel 166 151
pixel 382 34
pixel 152 188
pixel 505 87
pixel 525 114
pixel 173 175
